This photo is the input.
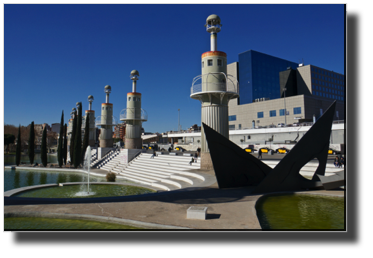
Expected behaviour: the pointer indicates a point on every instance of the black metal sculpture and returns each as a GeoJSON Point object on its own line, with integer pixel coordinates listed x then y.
{"type": "Point", "coordinates": [234, 167]}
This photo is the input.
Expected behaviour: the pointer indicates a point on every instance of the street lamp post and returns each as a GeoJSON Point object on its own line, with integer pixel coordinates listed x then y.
{"type": "Point", "coordinates": [285, 104]}
{"type": "Point", "coordinates": [179, 120]}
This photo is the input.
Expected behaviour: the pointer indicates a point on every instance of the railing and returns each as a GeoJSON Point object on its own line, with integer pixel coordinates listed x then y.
{"type": "Point", "coordinates": [201, 82]}
{"type": "Point", "coordinates": [129, 114]}
{"type": "Point", "coordinates": [184, 131]}
{"type": "Point", "coordinates": [101, 119]}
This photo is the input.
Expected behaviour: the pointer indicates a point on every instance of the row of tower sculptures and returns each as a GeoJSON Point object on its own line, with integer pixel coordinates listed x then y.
{"type": "Point", "coordinates": [133, 115]}
{"type": "Point", "coordinates": [214, 88]}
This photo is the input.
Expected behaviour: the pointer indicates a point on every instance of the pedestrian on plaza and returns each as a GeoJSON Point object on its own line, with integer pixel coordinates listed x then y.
{"type": "Point", "coordinates": [336, 161]}
{"type": "Point", "coordinates": [260, 154]}
{"type": "Point", "coordinates": [342, 161]}
{"type": "Point", "coordinates": [152, 156]}
{"type": "Point", "coordinates": [195, 157]}
{"type": "Point", "coordinates": [199, 152]}
{"type": "Point", "coordinates": [190, 163]}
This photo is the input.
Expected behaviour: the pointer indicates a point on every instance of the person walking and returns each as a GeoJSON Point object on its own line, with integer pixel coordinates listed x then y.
{"type": "Point", "coordinates": [192, 160]}
{"type": "Point", "coordinates": [195, 157]}
{"type": "Point", "coordinates": [152, 156]}
{"type": "Point", "coordinates": [342, 161]}
{"type": "Point", "coordinates": [199, 152]}
{"type": "Point", "coordinates": [336, 162]}
{"type": "Point", "coordinates": [260, 154]}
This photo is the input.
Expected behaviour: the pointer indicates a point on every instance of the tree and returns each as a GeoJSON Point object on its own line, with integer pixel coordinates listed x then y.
{"type": "Point", "coordinates": [65, 145]}
{"type": "Point", "coordinates": [44, 157]}
{"type": "Point", "coordinates": [86, 137]}
{"type": "Point", "coordinates": [9, 139]}
{"type": "Point", "coordinates": [78, 138]}
{"type": "Point", "coordinates": [31, 144]}
{"type": "Point", "coordinates": [60, 144]}
{"type": "Point", "coordinates": [72, 139]}
{"type": "Point", "coordinates": [19, 147]}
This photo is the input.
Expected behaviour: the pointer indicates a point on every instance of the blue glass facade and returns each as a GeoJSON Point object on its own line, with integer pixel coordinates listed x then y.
{"type": "Point", "coordinates": [259, 75]}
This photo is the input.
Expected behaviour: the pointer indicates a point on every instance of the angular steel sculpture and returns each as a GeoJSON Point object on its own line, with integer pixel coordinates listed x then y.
{"type": "Point", "coordinates": [236, 168]}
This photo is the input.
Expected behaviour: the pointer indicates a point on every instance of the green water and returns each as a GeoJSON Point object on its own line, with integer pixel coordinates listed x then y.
{"type": "Point", "coordinates": [23, 177]}
{"type": "Point", "coordinates": [292, 212]}
{"type": "Point", "coordinates": [59, 224]}
{"type": "Point", "coordinates": [80, 191]}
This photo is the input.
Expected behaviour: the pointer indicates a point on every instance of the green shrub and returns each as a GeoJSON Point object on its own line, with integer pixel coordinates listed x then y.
{"type": "Point", "coordinates": [110, 177]}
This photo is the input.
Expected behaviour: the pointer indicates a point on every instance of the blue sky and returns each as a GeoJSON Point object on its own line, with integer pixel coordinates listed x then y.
{"type": "Point", "coordinates": [57, 55]}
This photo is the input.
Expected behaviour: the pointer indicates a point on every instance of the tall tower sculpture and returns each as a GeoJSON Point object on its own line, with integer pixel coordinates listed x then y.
{"type": "Point", "coordinates": [213, 88]}
{"type": "Point", "coordinates": [92, 129]}
{"type": "Point", "coordinates": [106, 121]}
{"type": "Point", "coordinates": [70, 129]}
{"type": "Point", "coordinates": [133, 115]}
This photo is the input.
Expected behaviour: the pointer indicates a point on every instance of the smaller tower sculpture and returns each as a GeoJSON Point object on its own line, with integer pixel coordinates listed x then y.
{"type": "Point", "coordinates": [70, 128]}
{"type": "Point", "coordinates": [133, 115]}
{"type": "Point", "coordinates": [106, 121]}
{"type": "Point", "coordinates": [92, 129]}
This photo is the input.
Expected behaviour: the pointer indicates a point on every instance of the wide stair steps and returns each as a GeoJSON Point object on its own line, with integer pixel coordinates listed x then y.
{"type": "Point", "coordinates": [308, 169]}
{"type": "Point", "coordinates": [167, 172]}
{"type": "Point", "coordinates": [106, 159]}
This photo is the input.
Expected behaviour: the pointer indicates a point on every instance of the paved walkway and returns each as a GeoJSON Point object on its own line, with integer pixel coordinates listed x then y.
{"type": "Point", "coordinates": [228, 209]}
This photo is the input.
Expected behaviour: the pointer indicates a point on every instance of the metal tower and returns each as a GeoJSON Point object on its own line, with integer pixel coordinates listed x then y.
{"type": "Point", "coordinates": [92, 129]}
{"type": "Point", "coordinates": [133, 115]}
{"type": "Point", "coordinates": [106, 121]}
{"type": "Point", "coordinates": [213, 88]}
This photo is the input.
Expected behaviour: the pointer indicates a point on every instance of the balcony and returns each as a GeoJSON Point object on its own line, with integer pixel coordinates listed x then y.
{"type": "Point", "coordinates": [129, 114]}
{"type": "Point", "coordinates": [101, 120]}
{"type": "Point", "coordinates": [230, 85]}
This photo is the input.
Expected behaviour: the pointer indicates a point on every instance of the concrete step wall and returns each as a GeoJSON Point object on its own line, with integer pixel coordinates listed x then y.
{"type": "Point", "coordinates": [167, 172]}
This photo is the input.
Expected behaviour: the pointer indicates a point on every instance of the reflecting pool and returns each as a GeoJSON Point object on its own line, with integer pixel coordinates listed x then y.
{"type": "Point", "coordinates": [23, 177]}
{"type": "Point", "coordinates": [301, 212]}
{"type": "Point", "coordinates": [59, 224]}
{"type": "Point", "coordinates": [80, 191]}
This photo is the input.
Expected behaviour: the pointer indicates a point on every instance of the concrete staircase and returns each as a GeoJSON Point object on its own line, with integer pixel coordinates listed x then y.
{"type": "Point", "coordinates": [308, 169]}
{"type": "Point", "coordinates": [105, 160]}
{"type": "Point", "coordinates": [167, 172]}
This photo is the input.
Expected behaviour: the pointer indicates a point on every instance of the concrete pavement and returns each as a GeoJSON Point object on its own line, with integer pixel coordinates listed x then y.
{"type": "Point", "coordinates": [228, 209]}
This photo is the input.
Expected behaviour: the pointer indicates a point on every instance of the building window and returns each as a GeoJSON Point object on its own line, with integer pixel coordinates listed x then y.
{"type": "Point", "coordinates": [129, 99]}
{"type": "Point", "coordinates": [203, 64]}
{"type": "Point", "coordinates": [297, 110]}
{"type": "Point", "coordinates": [232, 118]}
{"type": "Point", "coordinates": [282, 112]}
{"type": "Point", "coordinates": [209, 62]}
{"type": "Point", "coordinates": [232, 127]}
{"type": "Point", "coordinates": [239, 127]}
{"type": "Point", "coordinates": [272, 113]}
{"type": "Point", "coordinates": [260, 115]}
{"type": "Point", "coordinates": [220, 63]}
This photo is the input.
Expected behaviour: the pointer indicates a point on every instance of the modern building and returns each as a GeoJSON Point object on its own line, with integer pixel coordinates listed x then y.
{"type": "Point", "coordinates": [258, 76]}
{"type": "Point", "coordinates": [299, 94]}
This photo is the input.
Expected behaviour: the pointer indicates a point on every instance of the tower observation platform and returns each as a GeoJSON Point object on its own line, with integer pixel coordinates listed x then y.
{"type": "Point", "coordinates": [214, 88]}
